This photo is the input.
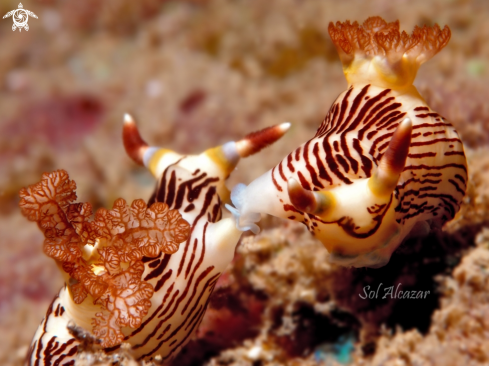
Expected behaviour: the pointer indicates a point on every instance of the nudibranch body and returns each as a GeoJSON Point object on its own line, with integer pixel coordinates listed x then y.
{"type": "Point", "coordinates": [128, 279]}
{"type": "Point", "coordinates": [381, 163]}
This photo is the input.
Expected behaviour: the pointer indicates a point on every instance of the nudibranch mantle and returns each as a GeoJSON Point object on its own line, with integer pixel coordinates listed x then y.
{"type": "Point", "coordinates": [139, 274]}
{"type": "Point", "coordinates": [381, 164]}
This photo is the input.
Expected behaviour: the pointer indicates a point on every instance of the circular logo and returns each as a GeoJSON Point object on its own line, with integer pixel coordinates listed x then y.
{"type": "Point", "coordinates": [20, 17]}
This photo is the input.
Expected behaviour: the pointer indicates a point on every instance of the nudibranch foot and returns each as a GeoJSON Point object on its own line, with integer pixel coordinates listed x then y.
{"type": "Point", "coordinates": [421, 230]}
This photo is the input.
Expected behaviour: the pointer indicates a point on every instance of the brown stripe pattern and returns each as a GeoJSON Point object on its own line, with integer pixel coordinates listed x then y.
{"type": "Point", "coordinates": [352, 139]}
{"type": "Point", "coordinates": [185, 279]}
{"type": "Point", "coordinates": [50, 348]}
{"type": "Point", "coordinates": [182, 281]}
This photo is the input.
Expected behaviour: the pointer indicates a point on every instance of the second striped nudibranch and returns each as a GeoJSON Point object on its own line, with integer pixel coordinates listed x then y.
{"type": "Point", "coordinates": [381, 164]}
{"type": "Point", "coordinates": [139, 274]}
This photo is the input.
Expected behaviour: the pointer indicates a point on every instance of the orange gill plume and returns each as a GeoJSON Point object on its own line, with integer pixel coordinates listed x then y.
{"type": "Point", "coordinates": [378, 50]}
{"type": "Point", "coordinates": [138, 274]}
{"type": "Point", "coordinates": [381, 166]}
{"type": "Point", "coordinates": [102, 257]}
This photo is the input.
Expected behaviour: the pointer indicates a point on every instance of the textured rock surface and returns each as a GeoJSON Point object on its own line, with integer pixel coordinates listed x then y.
{"type": "Point", "coordinates": [198, 73]}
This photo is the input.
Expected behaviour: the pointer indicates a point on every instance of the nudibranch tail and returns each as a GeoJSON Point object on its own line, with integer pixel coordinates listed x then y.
{"type": "Point", "coordinates": [378, 52]}
{"type": "Point", "coordinates": [384, 180]}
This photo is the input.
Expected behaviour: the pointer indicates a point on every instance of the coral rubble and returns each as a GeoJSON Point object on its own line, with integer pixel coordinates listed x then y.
{"type": "Point", "coordinates": [217, 69]}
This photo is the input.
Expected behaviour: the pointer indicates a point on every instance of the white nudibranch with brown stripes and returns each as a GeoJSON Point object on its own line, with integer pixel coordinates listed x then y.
{"type": "Point", "coordinates": [381, 165]}
{"type": "Point", "coordinates": [139, 274]}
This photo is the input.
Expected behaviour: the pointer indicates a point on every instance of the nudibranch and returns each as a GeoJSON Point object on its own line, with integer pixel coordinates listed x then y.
{"type": "Point", "coordinates": [139, 274]}
{"type": "Point", "coordinates": [382, 163]}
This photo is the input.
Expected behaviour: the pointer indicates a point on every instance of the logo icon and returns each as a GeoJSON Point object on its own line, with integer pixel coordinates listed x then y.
{"type": "Point", "coordinates": [20, 17]}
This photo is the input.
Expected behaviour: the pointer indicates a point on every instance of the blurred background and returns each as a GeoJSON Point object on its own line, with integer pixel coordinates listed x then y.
{"type": "Point", "coordinates": [194, 74]}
